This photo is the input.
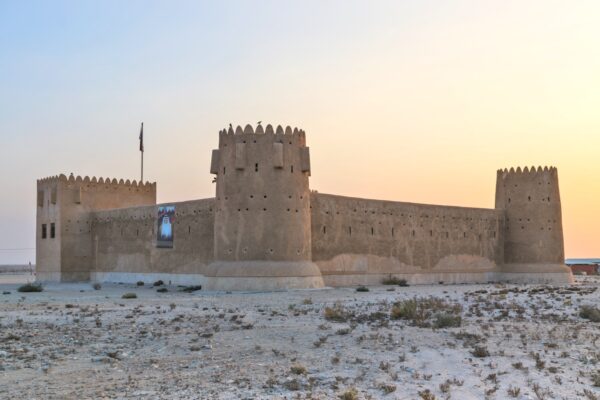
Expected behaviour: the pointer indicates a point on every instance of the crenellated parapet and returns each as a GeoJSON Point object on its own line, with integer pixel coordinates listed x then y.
{"type": "Point", "coordinates": [71, 179]}
{"type": "Point", "coordinates": [527, 170]}
{"type": "Point", "coordinates": [268, 130]}
{"type": "Point", "coordinates": [249, 149]}
{"type": "Point", "coordinates": [260, 135]}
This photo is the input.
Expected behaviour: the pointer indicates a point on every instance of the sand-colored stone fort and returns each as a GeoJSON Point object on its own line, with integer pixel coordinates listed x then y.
{"type": "Point", "coordinates": [266, 230]}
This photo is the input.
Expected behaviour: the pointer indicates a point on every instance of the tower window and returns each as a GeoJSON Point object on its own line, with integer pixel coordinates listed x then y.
{"type": "Point", "coordinates": [324, 230]}
{"type": "Point", "coordinates": [44, 231]}
{"type": "Point", "coordinates": [224, 169]}
{"type": "Point", "coordinates": [292, 169]}
{"type": "Point", "coordinates": [350, 230]}
{"type": "Point", "coordinates": [256, 167]}
{"type": "Point", "coordinates": [392, 232]}
{"type": "Point", "coordinates": [52, 230]}
{"type": "Point", "coordinates": [372, 231]}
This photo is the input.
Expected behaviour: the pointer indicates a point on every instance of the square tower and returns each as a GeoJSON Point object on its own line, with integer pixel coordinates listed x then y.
{"type": "Point", "coordinates": [64, 245]}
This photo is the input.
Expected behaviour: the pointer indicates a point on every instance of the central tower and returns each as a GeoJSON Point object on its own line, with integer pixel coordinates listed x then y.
{"type": "Point", "coordinates": [262, 210]}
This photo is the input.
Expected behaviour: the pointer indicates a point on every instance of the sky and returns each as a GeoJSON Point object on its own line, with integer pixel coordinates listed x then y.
{"type": "Point", "coordinates": [418, 101]}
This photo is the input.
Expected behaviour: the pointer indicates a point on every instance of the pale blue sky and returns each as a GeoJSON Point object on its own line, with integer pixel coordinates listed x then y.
{"type": "Point", "coordinates": [417, 101]}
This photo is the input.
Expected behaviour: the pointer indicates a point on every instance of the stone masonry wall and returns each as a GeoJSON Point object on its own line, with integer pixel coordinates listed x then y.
{"type": "Point", "coordinates": [352, 235]}
{"type": "Point", "coordinates": [124, 240]}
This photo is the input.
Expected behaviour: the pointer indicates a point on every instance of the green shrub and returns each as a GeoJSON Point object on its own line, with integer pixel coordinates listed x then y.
{"type": "Point", "coordinates": [30, 287]}
{"type": "Point", "coordinates": [190, 289]}
{"type": "Point", "coordinates": [590, 313]}
{"type": "Point", "coordinates": [159, 283]}
{"type": "Point", "coordinates": [140, 283]}
{"type": "Point", "coordinates": [362, 289]}
{"type": "Point", "coordinates": [392, 280]}
{"type": "Point", "coordinates": [406, 309]}
{"type": "Point", "coordinates": [445, 320]}
{"type": "Point", "coordinates": [129, 296]}
{"type": "Point", "coordinates": [162, 290]}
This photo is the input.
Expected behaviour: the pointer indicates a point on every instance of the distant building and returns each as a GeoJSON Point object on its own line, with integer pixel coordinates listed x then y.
{"type": "Point", "coordinates": [587, 265]}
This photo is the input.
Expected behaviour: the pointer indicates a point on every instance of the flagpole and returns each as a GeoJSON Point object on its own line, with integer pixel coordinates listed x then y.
{"type": "Point", "coordinates": [142, 151]}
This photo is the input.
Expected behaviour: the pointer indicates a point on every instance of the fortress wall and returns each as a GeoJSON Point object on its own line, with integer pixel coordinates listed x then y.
{"type": "Point", "coordinates": [124, 243]}
{"type": "Point", "coordinates": [361, 241]}
{"type": "Point", "coordinates": [79, 197]}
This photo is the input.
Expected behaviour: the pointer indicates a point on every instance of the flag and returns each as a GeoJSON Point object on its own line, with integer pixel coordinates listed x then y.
{"type": "Point", "coordinates": [142, 138]}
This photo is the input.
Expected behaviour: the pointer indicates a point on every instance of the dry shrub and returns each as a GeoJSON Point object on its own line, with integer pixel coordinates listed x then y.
{"type": "Point", "coordinates": [480, 352]}
{"type": "Point", "coordinates": [337, 313]}
{"type": "Point", "coordinates": [349, 394]}
{"type": "Point", "coordinates": [298, 369]}
{"type": "Point", "coordinates": [427, 311]}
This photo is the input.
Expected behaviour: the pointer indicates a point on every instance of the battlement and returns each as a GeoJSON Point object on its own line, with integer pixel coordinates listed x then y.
{"type": "Point", "coordinates": [96, 181]}
{"type": "Point", "coordinates": [268, 130]}
{"type": "Point", "coordinates": [526, 170]}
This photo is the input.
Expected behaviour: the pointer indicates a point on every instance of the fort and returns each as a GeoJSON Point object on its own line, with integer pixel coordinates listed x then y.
{"type": "Point", "coordinates": [266, 230]}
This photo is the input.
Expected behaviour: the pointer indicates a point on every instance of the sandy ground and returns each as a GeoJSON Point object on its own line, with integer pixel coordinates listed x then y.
{"type": "Point", "coordinates": [523, 342]}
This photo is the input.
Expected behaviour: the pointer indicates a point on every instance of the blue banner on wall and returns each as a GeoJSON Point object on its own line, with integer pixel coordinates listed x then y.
{"type": "Point", "coordinates": [166, 227]}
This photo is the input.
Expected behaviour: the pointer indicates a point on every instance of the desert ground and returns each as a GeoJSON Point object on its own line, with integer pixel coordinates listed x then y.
{"type": "Point", "coordinates": [486, 341]}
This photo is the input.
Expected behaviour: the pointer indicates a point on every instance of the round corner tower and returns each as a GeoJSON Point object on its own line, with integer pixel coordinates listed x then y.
{"type": "Point", "coordinates": [262, 211]}
{"type": "Point", "coordinates": [533, 235]}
